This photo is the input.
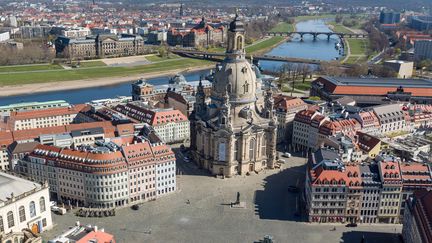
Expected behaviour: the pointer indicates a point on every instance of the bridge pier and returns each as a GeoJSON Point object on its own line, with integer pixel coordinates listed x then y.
{"type": "Point", "coordinates": [328, 37]}
{"type": "Point", "coordinates": [315, 36]}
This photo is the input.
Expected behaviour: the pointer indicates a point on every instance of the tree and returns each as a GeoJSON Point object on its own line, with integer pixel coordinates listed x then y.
{"type": "Point", "coordinates": [382, 71]}
{"type": "Point", "coordinates": [331, 68]}
{"type": "Point", "coordinates": [163, 51]}
{"type": "Point", "coordinates": [357, 70]}
{"type": "Point", "coordinates": [338, 18]}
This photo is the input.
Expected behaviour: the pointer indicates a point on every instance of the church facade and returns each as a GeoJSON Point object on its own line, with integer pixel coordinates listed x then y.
{"type": "Point", "coordinates": [235, 133]}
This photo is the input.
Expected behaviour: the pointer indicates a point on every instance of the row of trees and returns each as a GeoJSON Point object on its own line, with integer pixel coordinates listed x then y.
{"type": "Point", "coordinates": [30, 54]}
{"type": "Point", "coordinates": [356, 70]}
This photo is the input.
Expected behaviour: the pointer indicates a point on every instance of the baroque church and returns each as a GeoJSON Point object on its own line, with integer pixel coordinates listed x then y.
{"type": "Point", "coordinates": [235, 133]}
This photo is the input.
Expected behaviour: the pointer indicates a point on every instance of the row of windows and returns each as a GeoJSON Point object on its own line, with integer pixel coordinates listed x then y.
{"type": "Point", "coordinates": [22, 214]}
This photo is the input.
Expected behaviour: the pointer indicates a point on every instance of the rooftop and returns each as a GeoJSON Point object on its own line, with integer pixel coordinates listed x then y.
{"type": "Point", "coordinates": [10, 184]}
{"type": "Point", "coordinates": [380, 82]}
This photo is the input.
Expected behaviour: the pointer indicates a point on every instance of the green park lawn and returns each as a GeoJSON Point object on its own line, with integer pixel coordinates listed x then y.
{"type": "Point", "coordinates": [262, 45]}
{"type": "Point", "coordinates": [302, 86]}
{"type": "Point", "coordinates": [283, 27]}
{"type": "Point", "coordinates": [87, 64]}
{"type": "Point", "coordinates": [157, 58]}
{"type": "Point", "coordinates": [310, 17]}
{"type": "Point", "coordinates": [340, 28]}
{"type": "Point", "coordinates": [25, 68]}
{"type": "Point", "coordinates": [97, 72]}
{"type": "Point", "coordinates": [358, 46]}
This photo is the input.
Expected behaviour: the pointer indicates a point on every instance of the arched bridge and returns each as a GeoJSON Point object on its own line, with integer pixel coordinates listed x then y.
{"type": "Point", "coordinates": [316, 34]}
{"type": "Point", "coordinates": [215, 56]}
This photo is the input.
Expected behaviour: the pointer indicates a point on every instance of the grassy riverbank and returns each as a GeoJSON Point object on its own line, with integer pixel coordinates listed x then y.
{"type": "Point", "coordinates": [283, 27]}
{"type": "Point", "coordinates": [358, 50]}
{"type": "Point", "coordinates": [20, 78]}
{"type": "Point", "coordinates": [264, 45]}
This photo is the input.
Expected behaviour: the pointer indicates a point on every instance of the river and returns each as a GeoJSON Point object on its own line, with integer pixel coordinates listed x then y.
{"type": "Point", "coordinates": [308, 48]}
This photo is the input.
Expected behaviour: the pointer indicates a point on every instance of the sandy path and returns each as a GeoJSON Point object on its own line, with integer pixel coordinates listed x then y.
{"type": "Point", "coordinates": [86, 83]}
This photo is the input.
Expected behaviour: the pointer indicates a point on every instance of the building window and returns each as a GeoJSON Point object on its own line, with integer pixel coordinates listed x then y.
{"type": "Point", "coordinates": [42, 204]}
{"type": "Point", "coordinates": [252, 150]}
{"type": "Point", "coordinates": [263, 145]}
{"type": "Point", "coordinates": [1, 224]}
{"type": "Point", "coordinates": [236, 148]}
{"type": "Point", "coordinates": [22, 214]}
{"type": "Point", "coordinates": [32, 209]}
{"type": "Point", "coordinates": [10, 219]}
{"type": "Point", "coordinates": [44, 222]}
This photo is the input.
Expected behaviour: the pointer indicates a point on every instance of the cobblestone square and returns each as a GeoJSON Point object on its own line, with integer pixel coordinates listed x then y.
{"type": "Point", "coordinates": [270, 210]}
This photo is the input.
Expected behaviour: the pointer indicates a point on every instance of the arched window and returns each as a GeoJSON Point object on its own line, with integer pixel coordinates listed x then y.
{"type": "Point", "coordinates": [252, 150]}
{"type": "Point", "coordinates": [236, 149]}
{"type": "Point", "coordinates": [1, 224]}
{"type": "Point", "coordinates": [239, 42]}
{"type": "Point", "coordinates": [22, 216]}
{"type": "Point", "coordinates": [263, 145]}
{"type": "Point", "coordinates": [42, 204]}
{"type": "Point", "coordinates": [10, 219]}
{"type": "Point", "coordinates": [32, 208]}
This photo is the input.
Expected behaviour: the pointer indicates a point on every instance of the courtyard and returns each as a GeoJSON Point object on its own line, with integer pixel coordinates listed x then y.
{"type": "Point", "coordinates": [200, 211]}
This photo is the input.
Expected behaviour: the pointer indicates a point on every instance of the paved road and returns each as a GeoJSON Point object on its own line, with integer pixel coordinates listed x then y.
{"type": "Point", "coordinates": [209, 218]}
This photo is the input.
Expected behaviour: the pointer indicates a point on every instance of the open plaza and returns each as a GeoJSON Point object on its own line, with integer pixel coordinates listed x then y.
{"type": "Point", "coordinates": [208, 217]}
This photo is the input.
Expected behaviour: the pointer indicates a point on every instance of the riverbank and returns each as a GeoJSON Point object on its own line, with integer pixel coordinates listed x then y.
{"type": "Point", "coordinates": [12, 90]}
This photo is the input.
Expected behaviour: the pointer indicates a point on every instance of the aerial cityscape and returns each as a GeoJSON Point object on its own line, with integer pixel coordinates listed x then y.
{"type": "Point", "coordinates": [216, 121]}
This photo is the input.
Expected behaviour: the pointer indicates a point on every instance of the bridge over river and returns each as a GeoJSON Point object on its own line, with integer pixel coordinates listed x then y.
{"type": "Point", "coordinates": [315, 34]}
{"type": "Point", "coordinates": [217, 56]}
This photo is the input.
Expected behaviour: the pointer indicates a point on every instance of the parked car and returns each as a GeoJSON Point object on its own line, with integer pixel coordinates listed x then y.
{"type": "Point", "coordinates": [287, 155]}
{"type": "Point", "coordinates": [351, 225]}
{"type": "Point", "coordinates": [135, 207]}
{"type": "Point", "coordinates": [293, 189]}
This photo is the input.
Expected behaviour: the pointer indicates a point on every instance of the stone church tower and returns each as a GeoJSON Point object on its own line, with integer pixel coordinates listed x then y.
{"type": "Point", "coordinates": [236, 132]}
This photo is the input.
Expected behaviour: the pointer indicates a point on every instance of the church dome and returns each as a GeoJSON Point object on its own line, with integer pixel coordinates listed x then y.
{"type": "Point", "coordinates": [238, 78]}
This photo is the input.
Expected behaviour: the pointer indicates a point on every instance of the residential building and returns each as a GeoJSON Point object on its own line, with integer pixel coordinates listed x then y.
{"type": "Point", "coordinates": [83, 137]}
{"type": "Point", "coordinates": [390, 199]}
{"type": "Point", "coordinates": [33, 106]}
{"type": "Point", "coordinates": [389, 17]}
{"type": "Point", "coordinates": [421, 23]}
{"type": "Point", "coordinates": [23, 205]}
{"type": "Point", "coordinates": [417, 219]}
{"type": "Point", "coordinates": [370, 145]}
{"type": "Point", "coordinates": [423, 50]}
{"type": "Point", "coordinates": [286, 108]}
{"type": "Point", "coordinates": [372, 188]}
{"type": "Point", "coordinates": [415, 176]}
{"type": "Point", "coordinates": [59, 116]}
{"type": "Point", "coordinates": [236, 132]}
{"type": "Point", "coordinates": [18, 150]}
{"type": "Point", "coordinates": [391, 117]}
{"type": "Point", "coordinates": [84, 234]}
{"type": "Point", "coordinates": [170, 125]}
{"type": "Point", "coordinates": [109, 174]}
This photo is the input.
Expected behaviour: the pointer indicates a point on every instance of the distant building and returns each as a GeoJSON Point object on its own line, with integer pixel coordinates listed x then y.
{"type": "Point", "coordinates": [389, 17]}
{"type": "Point", "coordinates": [156, 37]}
{"type": "Point", "coordinates": [23, 205]}
{"type": "Point", "coordinates": [99, 46]}
{"type": "Point", "coordinates": [417, 219]}
{"type": "Point", "coordinates": [202, 34]}
{"type": "Point", "coordinates": [373, 91]}
{"type": "Point", "coordinates": [421, 23]}
{"type": "Point", "coordinates": [33, 106]}
{"type": "Point", "coordinates": [404, 69]}
{"type": "Point", "coordinates": [37, 32]}
{"type": "Point", "coordinates": [423, 50]}
{"type": "Point", "coordinates": [84, 234]}
{"type": "Point", "coordinates": [4, 36]}
{"type": "Point", "coordinates": [391, 118]}
{"type": "Point", "coordinates": [76, 32]}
